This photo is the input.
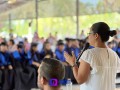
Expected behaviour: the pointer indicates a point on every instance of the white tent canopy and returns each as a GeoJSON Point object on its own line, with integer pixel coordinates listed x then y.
{"type": "Point", "coordinates": [24, 9]}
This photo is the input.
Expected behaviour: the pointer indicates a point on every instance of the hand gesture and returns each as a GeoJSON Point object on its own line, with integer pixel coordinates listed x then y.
{"type": "Point", "coordinates": [70, 59]}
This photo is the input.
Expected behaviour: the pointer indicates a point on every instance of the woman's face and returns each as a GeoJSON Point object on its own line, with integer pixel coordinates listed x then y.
{"type": "Point", "coordinates": [91, 38]}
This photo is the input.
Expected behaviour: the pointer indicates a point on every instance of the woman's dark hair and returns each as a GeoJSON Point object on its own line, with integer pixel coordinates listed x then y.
{"type": "Point", "coordinates": [103, 30]}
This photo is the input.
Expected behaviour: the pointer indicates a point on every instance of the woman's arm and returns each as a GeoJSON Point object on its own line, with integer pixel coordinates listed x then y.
{"type": "Point", "coordinates": [82, 72]}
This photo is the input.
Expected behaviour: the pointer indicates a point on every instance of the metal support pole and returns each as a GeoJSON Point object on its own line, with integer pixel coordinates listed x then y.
{"type": "Point", "coordinates": [77, 18]}
{"type": "Point", "coordinates": [10, 22]}
{"type": "Point", "coordinates": [36, 11]}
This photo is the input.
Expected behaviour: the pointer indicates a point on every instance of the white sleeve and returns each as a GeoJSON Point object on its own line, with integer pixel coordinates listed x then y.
{"type": "Point", "coordinates": [87, 57]}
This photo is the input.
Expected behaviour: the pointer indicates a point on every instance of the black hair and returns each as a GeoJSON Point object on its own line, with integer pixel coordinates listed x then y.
{"type": "Point", "coordinates": [25, 39]}
{"type": "Point", "coordinates": [67, 39]}
{"type": "Point", "coordinates": [12, 41]}
{"type": "Point", "coordinates": [60, 42]}
{"type": "Point", "coordinates": [103, 30]}
{"type": "Point", "coordinates": [33, 45]}
{"type": "Point", "coordinates": [21, 42]}
{"type": "Point", "coordinates": [52, 68]}
{"type": "Point", "coordinates": [3, 44]}
{"type": "Point", "coordinates": [19, 46]}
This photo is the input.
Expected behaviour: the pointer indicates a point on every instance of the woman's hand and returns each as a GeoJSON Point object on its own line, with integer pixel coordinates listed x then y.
{"type": "Point", "coordinates": [70, 59]}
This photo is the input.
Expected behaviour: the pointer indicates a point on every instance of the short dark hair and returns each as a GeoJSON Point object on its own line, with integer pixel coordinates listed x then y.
{"type": "Point", "coordinates": [60, 42]}
{"type": "Point", "coordinates": [3, 44]}
{"type": "Point", "coordinates": [12, 41]}
{"type": "Point", "coordinates": [103, 30]}
{"type": "Point", "coordinates": [19, 46]}
{"type": "Point", "coordinates": [52, 68]}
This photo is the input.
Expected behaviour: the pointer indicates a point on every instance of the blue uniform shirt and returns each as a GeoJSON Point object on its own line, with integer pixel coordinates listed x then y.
{"type": "Point", "coordinates": [4, 59]}
{"type": "Point", "coordinates": [18, 56]}
{"type": "Point", "coordinates": [60, 55]}
{"type": "Point", "coordinates": [76, 51]}
{"type": "Point", "coordinates": [33, 57]}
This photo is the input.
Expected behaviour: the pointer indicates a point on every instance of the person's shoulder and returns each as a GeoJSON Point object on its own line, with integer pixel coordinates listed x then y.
{"type": "Point", "coordinates": [92, 51]}
{"type": "Point", "coordinates": [88, 51]}
{"type": "Point", "coordinates": [112, 51]}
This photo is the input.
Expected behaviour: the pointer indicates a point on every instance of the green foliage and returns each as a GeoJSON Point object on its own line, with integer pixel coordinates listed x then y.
{"type": "Point", "coordinates": [65, 26]}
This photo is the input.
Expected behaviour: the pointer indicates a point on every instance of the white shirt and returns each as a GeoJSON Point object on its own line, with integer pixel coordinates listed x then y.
{"type": "Point", "coordinates": [40, 46]}
{"type": "Point", "coordinates": [104, 63]}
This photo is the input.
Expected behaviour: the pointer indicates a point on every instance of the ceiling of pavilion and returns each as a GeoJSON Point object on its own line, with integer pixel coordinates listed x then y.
{"type": "Point", "coordinates": [25, 9]}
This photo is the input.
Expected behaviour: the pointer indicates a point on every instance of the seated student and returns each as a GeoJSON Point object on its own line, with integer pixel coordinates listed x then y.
{"type": "Point", "coordinates": [19, 57]}
{"type": "Point", "coordinates": [6, 67]}
{"type": "Point", "coordinates": [26, 45]}
{"type": "Point", "coordinates": [34, 56]}
{"type": "Point", "coordinates": [75, 47]}
{"type": "Point", "coordinates": [11, 46]}
{"type": "Point", "coordinates": [4, 57]}
{"type": "Point", "coordinates": [48, 70]}
{"type": "Point", "coordinates": [25, 75]}
{"type": "Point", "coordinates": [68, 49]}
{"type": "Point", "coordinates": [59, 52]}
{"type": "Point", "coordinates": [68, 46]}
{"type": "Point", "coordinates": [46, 52]}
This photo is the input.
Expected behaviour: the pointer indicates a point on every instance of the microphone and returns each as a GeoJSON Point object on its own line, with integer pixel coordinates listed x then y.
{"type": "Point", "coordinates": [86, 46]}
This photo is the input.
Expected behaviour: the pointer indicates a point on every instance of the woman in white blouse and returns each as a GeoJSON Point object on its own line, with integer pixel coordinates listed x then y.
{"type": "Point", "coordinates": [103, 61]}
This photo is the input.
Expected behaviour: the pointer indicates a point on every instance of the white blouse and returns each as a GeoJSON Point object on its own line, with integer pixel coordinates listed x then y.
{"type": "Point", "coordinates": [104, 63]}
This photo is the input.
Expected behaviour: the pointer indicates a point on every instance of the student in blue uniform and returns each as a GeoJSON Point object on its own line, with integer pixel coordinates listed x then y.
{"type": "Point", "coordinates": [75, 47]}
{"type": "Point", "coordinates": [6, 68]}
{"type": "Point", "coordinates": [34, 56]}
{"type": "Point", "coordinates": [68, 46]}
{"type": "Point", "coordinates": [19, 56]}
{"type": "Point", "coordinates": [59, 52]}
{"type": "Point", "coordinates": [46, 51]}
{"type": "Point", "coordinates": [68, 49]}
{"type": "Point", "coordinates": [4, 57]}
{"type": "Point", "coordinates": [25, 78]}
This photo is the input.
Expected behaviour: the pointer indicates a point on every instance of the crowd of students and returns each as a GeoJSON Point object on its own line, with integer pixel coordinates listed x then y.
{"type": "Point", "coordinates": [19, 61]}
